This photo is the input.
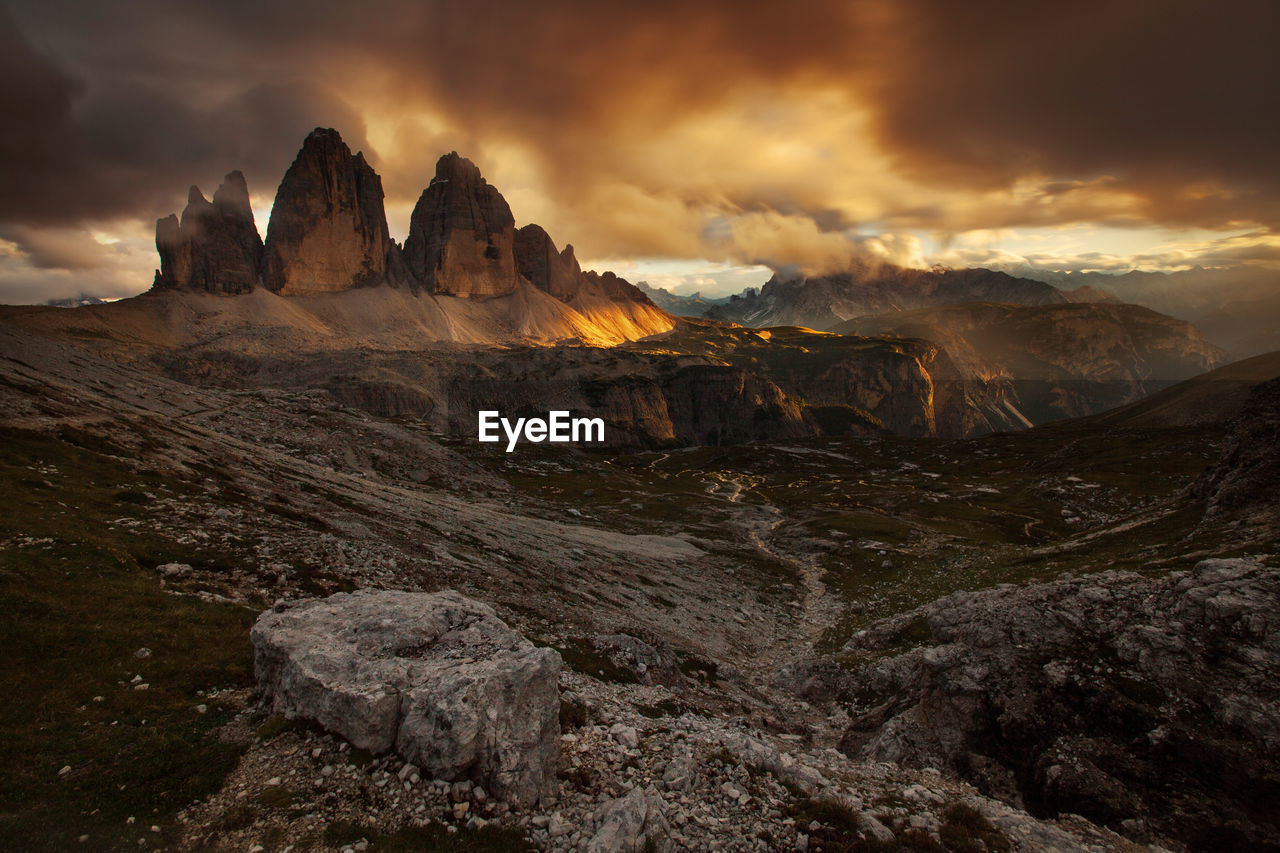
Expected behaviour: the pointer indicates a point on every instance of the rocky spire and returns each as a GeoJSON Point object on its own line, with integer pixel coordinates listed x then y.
{"type": "Point", "coordinates": [461, 234]}
{"type": "Point", "coordinates": [328, 229]}
{"type": "Point", "coordinates": [537, 260]}
{"type": "Point", "coordinates": [215, 247]}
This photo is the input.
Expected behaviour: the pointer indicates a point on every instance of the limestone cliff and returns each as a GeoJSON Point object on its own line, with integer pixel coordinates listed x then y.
{"type": "Point", "coordinates": [328, 229]}
{"type": "Point", "coordinates": [215, 247]}
{"type": "Point", "coordinates": [1060, 360]}
{"type": "Point", "coordinates": [538, 261]}
{"type": "Point", "coordinates": [461, 234]}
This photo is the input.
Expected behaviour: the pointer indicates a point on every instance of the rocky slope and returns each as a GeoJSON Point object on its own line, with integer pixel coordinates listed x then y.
{"type": "Point", "coordinates": [1143, 704]}
{"type": "Point", "coordinates": [821, 302]}
{"type": "Point", "coordinates": [215, 247]}
{"type": "Point", "coordinates": [673, 585]}
{"type": "Point", "coordinates": [1213, 397]}
{"type": "Point", "coordinates": [1245, 477]}
{"type": "Point", "coordinates": [1062, 360]}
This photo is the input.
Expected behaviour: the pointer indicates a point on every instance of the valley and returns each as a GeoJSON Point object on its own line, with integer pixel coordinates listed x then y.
{"type": "Point", "coordinates": [741, 564]}
{"type": "Point", "coordinates": [923, 579]}
{"type": "Point", "coordinates": [562, 427]}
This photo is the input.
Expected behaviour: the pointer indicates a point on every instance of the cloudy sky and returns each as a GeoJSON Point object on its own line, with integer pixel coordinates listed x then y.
{"type": "Point", "coordinates": [689, 143]}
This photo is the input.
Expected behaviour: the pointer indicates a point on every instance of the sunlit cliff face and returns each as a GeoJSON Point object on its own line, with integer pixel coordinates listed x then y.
{"type": "Point", "coordinates": [720, 135]}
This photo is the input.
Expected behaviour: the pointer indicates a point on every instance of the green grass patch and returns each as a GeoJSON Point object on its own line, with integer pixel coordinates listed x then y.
{"type": "Point", "coordinates": [80, 605]}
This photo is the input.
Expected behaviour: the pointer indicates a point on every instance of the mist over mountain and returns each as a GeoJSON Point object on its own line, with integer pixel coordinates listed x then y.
{"type": "Point", "coordinates": [694, 305]}
{"type": "Point", "coordinates": [1236, 308]}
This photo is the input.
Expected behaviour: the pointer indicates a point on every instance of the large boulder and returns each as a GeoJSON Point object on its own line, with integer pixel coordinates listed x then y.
{"type": "Point", "coordinates": [437, 677]}
{"type": "Point", "coordinates": [215, 247]}
{"type": "Point", "coordinates": [461, 235]}
{"type": "Point", "coordinates": [328, 228]}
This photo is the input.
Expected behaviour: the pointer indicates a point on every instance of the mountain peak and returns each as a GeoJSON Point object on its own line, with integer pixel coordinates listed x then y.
{"type": "Point", "coordinates": [328, 229]}
{"type": "Point", "coordinates": [215, 247]}
{"type": "Point", "coordinates": [454, 167]}
{"type": "Point", "coordinates": [546, 268]}
{"type": "Point", "coordinates": [233, 194]}
{"type": "Point", "coordinates": [325, 138]}
{"type": "Point", "coordinates": [461, 234]}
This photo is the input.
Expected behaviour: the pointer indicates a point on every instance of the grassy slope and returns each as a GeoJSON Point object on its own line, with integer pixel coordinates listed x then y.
{"type": "Point", "coordinates": [81, 598]}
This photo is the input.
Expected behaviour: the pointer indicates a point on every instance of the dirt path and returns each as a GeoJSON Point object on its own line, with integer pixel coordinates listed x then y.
{"type": "Point", "coordinates": [800, 629]}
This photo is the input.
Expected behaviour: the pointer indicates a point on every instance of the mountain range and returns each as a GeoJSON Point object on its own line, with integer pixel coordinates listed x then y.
{"type": "Point", "coordinates": [1236, 310]}
{"type": "Point", "coordinates": [776, 612]}
{"type": "Point", "coordinates": [693, 305]}
{"type": "Point", "coordinates": [464, 273]}
{"type": "Point", "coordinates": [472, 313]}
{"type": "Point", "coordinates": [821, 302]}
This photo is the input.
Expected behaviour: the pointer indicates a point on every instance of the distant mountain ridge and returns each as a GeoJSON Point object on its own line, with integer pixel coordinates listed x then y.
{"type": "Point", "coordinates": [1237, 308]}
{"type": "Point", "coordinates": [821, 302]}
{"type": "Point", "coordinates": [695, 305]}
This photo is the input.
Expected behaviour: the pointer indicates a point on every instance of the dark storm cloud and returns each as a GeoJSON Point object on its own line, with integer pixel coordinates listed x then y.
{"type": "Point", "coordinates": [1176, 99]}
{"type": "Point", "coordinates": [117, 107]}
{"type": "Point", "coordinates": [82, 143]}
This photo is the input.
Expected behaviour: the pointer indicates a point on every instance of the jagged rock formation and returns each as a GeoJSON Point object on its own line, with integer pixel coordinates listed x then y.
{"type": "Point", "coordinates": [820, 302]}
{"type": "Point", "coordinates": [328, 229]}
{"type": "Point", "coordinates": [436, 676]}
{"type": "Point", "coordinates": [1147, 705]}
{"type": "Point", "coordinates": [557, 273]}
{"type": "Point", "coordinates": [216, 247]}
{"type": "Point", "coordinates": [328, 235]}
{"type": "Point", "coordinates": [1247, 474]}
{"type": "Point", "coordinates": [461, 234]}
